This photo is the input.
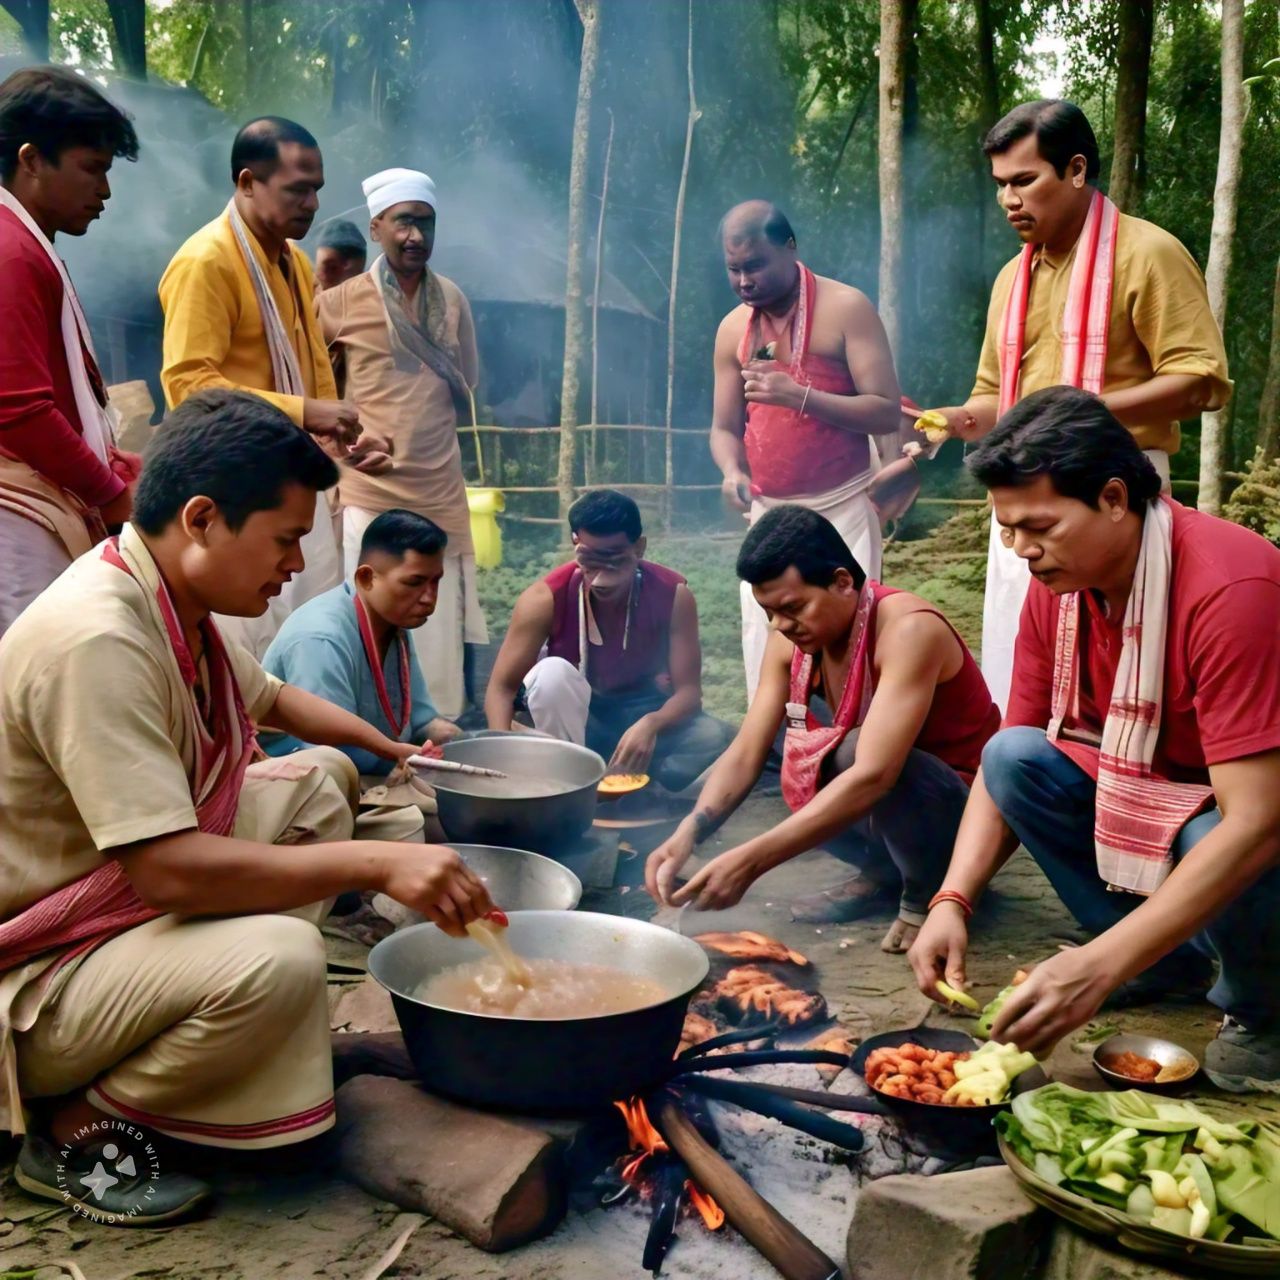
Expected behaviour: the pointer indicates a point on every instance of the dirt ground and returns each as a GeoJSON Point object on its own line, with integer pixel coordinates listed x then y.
{"type": "Point", "coordinates": [311, 1225]}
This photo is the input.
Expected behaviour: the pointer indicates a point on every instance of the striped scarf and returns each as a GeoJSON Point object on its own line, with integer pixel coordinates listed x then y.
{"type": "Point", "coordinates": [90, 910]}
{"type": "Point", "coordinates": [1138, 814]}
{"type": "Point", "coordinates": [1086, 319]}
{"type": "Point", "coordinates": [286, 372]}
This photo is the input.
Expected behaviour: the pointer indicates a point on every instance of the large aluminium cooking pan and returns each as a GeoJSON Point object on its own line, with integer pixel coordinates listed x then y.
{"type": "Point", "coordinates": [543, 1065]}
{"type": "Point", "coordinates": [488, 811]}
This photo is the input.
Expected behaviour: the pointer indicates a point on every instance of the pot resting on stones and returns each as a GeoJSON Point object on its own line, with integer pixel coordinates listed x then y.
{"type": "Point", "coordinates": [547, 800]}
{"type": "Point", "coordinates": [543, 1065]}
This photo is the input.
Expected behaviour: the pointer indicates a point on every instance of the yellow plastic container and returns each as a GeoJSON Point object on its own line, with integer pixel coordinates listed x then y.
{"type": "Point", "coordinates": [484, 505]}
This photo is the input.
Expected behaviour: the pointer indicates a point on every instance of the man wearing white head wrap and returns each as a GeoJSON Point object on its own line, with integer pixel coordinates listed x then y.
{"type": "Point", "coordinates": [403, 339]}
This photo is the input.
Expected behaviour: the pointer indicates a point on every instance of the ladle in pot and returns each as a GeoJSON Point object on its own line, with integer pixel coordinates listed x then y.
{"type": "Point", "coordinates": [490, 931]}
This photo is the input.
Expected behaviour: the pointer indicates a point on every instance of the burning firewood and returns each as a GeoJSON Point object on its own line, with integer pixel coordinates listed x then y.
{"type": "Point", "coordinates": [751, 994]}
{"type": "Point", "coordinates": [696, 1030]}
{"type": "Point", "coordinates": [747, 945]}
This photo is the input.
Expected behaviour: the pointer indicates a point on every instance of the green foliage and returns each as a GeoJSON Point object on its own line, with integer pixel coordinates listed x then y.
{"type": "Point", "coordinates": [1255, 503]}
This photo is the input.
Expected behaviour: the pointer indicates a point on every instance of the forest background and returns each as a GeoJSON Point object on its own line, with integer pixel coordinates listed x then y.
{"type": "Point", "coordinates": [789, 106]}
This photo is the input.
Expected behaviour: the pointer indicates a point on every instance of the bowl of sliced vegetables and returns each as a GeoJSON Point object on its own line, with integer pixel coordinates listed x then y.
{"type": "Point", "coordinates": [1161, 1177]}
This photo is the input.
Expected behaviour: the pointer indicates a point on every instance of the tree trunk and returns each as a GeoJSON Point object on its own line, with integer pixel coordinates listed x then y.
{"type": "Point", "coordinates": [589, 457]}
{"type": "Point", "coordinates": [1128, 163]}
{"type": "Point", "coordinates": [1269, 409]}
{"type": "Point", "coordinates": [988, 76]}
{"type": "Point", "coordinates": [33, 17]}
{"type": "Point", "coordinates": [589, 12]}
{"type": "Point", "coordinates": [694, 114]}
{"type": "Point", "coordinates": [895, 35]}
{"type": "Point", "coordinates": [1213, 435]}
{"type": "Point", "coordinates": [129, 19]}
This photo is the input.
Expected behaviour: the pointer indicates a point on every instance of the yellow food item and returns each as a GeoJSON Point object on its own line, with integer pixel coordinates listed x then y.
{"type": "Point", "coordinates": [934, 426]}
{"type": "Point", "coordinates": [962, 998]}
{"type": "Point", "coordinates": [618, 784]}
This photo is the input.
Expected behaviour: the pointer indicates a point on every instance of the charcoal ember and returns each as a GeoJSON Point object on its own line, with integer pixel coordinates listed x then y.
{"type": "Point", "coordinates": [666, 1182]}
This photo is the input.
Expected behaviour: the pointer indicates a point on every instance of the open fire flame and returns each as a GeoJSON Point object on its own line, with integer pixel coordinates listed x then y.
{"type": "Point", "coordinates": [648, 1142]}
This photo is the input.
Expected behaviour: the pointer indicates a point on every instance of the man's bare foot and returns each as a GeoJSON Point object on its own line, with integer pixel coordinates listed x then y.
{"type": "Point", "coordinates": [899, 938]}
{"type": "Point", "coordinates": [851, 899]}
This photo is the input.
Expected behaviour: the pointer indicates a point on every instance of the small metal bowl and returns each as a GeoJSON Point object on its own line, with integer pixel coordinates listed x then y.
{"type": "Point", "coordinates": [1165, 1052]}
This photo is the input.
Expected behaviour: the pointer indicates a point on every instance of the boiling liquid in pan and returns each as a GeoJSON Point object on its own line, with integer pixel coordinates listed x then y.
{"type": "Point", "coordinates": [516, 786]}
{"type": "Point", "coordinates": [557, 989]}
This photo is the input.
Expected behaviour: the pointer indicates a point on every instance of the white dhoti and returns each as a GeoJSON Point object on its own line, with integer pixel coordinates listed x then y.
{"type": "Point", "coordinates": [849, 509]}
{"type": "Point", "coordinates": [322, 552]}
{"type": "Point", "coordinates": [559, 699]}
{"type": "Point", "coordinates": [1007, 582]}
{"type": "Point", "coordinates": [457, 621]}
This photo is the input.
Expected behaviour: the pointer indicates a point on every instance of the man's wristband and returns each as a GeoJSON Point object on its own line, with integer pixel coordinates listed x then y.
{"type": "Point", "coordinates": [952, 895]}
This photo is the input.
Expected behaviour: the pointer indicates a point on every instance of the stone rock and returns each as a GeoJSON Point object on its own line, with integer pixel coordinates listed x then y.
{"type": "Point", "coordinates": [975, 1225]}
{"type": "Point", "coordinates": [134, 403]}
{"type": "Point", "coordinates": [1075, 1256]}
{"type": "Point", "coordinates": [496, 1182]}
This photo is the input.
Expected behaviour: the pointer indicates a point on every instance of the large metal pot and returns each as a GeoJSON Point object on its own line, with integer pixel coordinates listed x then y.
{"type": "Point", "coordinates": [543, 1065]}
{"type": "Point", "coordinates": [518, 880]}
{"type": "Point", "coordinates": [490, 811]}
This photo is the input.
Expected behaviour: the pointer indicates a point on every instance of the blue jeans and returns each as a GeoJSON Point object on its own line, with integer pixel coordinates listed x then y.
{"type": "Point", "coordinates": [1049, 800]}
{"type": "Point", "coordinates": [912, 828]}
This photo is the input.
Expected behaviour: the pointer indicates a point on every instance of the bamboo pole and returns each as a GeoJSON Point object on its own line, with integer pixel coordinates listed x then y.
{"type": "Point", "coordinates": [694, 116]}
{"type": "Point", "coordinates": [589, 12]}
{"type": "Point", "coordinates": [1214, 425]}
{"type": "Point", "coordinates": [589, 458]}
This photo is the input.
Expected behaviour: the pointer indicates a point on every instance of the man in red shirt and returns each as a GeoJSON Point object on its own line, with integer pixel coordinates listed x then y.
{"type": "Point", "coordinates": [882, 779]}
{"type": "Point", "coordinates": [1141, 748]}
{"type": "Point", "coordinates": [61, 479]}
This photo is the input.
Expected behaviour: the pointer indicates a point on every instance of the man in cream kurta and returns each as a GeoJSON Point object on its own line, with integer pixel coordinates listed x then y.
{"type": "Point", "coordinates": [238, 302]}
{"type": "Point", "coordinates": [409, 374]}
{"type": "Point", "coordinates": [159, 959]}
{"type": "Point", "coordinates": [1162, 356]}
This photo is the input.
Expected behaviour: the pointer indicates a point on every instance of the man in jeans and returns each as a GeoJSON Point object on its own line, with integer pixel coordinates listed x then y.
{"type": "Point", "coordinates": [1140, 758]}
{"type": "Point", "coordinates": [882, 779]}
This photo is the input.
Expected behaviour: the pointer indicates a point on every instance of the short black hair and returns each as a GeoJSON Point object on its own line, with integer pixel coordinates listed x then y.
{"type": "Point", "coordinates": [53, 109]}
{"type": "Point", "coordinates": [233, 447]}
{"type": "Point", "coordinates": [1070, 436]}
{"type": "Point", "coordinates": [343, 236]}
{"type": "Point", "coordinates": [398, 531]}
{"type": "Point", "coordinates": [606, 511]}
{"type": "Point", "coordinates": [793, 535]}
{"type": "Point", "coordinates": [767, 221]}
{"type": "Point", "coordinates": [257, 145]}
{"type": "Point", "coordinates": [1062, 130]}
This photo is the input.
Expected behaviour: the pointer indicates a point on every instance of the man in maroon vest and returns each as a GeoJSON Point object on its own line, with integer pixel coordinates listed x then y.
{"type": "Point", "coordinates": [881, 775]}
{"type": "Point", "coordinates": [606, 647]}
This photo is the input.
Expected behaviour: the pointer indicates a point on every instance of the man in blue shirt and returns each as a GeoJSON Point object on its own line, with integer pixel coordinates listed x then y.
{"type": "Point", "coordinates": [351, 647]}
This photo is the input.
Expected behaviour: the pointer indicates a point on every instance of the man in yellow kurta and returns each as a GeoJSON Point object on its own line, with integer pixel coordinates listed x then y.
{"type": "Point", "coordinates": [403, 337]}
{"type": "Point", "coordinates": [238, 303]}
{"type": "Point", "coordinates": [1096, 299]}
{"type": "Point", "coordinates": [160, 965]}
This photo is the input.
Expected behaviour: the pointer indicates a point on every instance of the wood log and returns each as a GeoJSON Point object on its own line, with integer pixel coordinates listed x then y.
{"type": "Point", "coordinates": [794, 1255]}
{"type": "Point", "coordinates": [497, 1183]}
